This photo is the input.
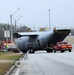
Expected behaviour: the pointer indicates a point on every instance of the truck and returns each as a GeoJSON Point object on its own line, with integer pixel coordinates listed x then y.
{"type": "Point", "coordinates": [62, 46]}
{"type": "Point", "coordinates": [8, 47]}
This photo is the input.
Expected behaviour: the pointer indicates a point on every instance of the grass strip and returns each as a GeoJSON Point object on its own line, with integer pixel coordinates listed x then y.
{"type": "Point", "coordinates": [7, 60]}
{"type": "Point", "coordinates": [10, 56]}
{"type": "Point", "coordinates": [5, 66]}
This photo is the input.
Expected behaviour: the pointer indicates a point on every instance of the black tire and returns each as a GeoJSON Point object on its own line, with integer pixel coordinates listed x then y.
{"type": "Point", "coordinates": [54, 51]}
{"type": "Point", "coordinates": [49, 50]}
{"type": "Point", "coordinates": [31, 51]}
{"type": "Point", "coordinates": [62, 51]}
{"type": "Point", "coordinates": [24, 51]}
{"type": "Point", "coordinates": [69, 50]}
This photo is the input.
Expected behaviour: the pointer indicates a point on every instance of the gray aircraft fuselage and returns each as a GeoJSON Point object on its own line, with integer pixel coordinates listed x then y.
{"type": "Point", "coordinates": [39, 40]}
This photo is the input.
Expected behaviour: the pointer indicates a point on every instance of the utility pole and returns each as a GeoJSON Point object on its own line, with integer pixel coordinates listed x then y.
{"type": "Point", "coordinates": [34, 27]}
{"type": "Point", "coordinates": [11, 30]}
{"type": "Point", "coordinates": [15, 26]}
{"type": "Point", "coordinates": [16, 22]}
{"type": "Point", "coordinates": [49, 20]}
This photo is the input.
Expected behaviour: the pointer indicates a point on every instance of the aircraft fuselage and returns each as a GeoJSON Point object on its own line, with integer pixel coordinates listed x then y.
{"type": "Point", "coordinates": [39, 40]}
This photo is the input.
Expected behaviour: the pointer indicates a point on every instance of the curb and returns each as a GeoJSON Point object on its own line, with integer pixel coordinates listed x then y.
{"type": "Point", "coordinates": [14, 66]}
{"type": "Point", "coordinates": [10, 70]}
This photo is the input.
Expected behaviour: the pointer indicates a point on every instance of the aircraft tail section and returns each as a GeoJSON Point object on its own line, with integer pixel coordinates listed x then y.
{"type": "Point", "coordinates": [63, 31]}
{"type": "Point", "coordinates": [59, 35]}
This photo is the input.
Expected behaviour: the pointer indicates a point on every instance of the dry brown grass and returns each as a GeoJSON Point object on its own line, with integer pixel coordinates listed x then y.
{"type": "Point", "coordinates": [7, 60]}
{"type": "Point", "coordinates": [10, 56]}
{"type": "Point", "coordinates": [4, 67]}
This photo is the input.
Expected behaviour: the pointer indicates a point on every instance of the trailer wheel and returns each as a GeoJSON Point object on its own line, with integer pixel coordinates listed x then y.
{"type": "Point", "coordinates": [62, 51]}
{"type": "Point", "coordinates": [54, 51]}
{"type": "Point", "coordinates": [49, 50]}
{"type": "Point", "coordinates": [69, 50]}
{"type": "Point", "coordinates": [24, 51]}
{"type": "Point", "coordinates": [31, 51]}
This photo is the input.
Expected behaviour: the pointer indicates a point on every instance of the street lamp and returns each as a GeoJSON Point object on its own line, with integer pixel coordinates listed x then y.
{"type": "Point", "coordinates": [49, 20]}
{"type": "Point", "coordinates": [11, 16]}
{"type": "Point", "coordinates": [17, 21]}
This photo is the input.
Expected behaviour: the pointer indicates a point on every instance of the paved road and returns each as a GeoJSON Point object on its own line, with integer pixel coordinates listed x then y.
{"type": "Point", "coordinates": [42, 63]}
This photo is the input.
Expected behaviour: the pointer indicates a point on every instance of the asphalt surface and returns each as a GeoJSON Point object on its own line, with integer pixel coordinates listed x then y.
{"type": "Point", "coordinates": [42, 63]}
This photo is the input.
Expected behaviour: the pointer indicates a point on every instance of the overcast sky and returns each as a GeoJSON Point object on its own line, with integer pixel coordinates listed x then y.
{"type": "Point", "coordinates": [35, 12]}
